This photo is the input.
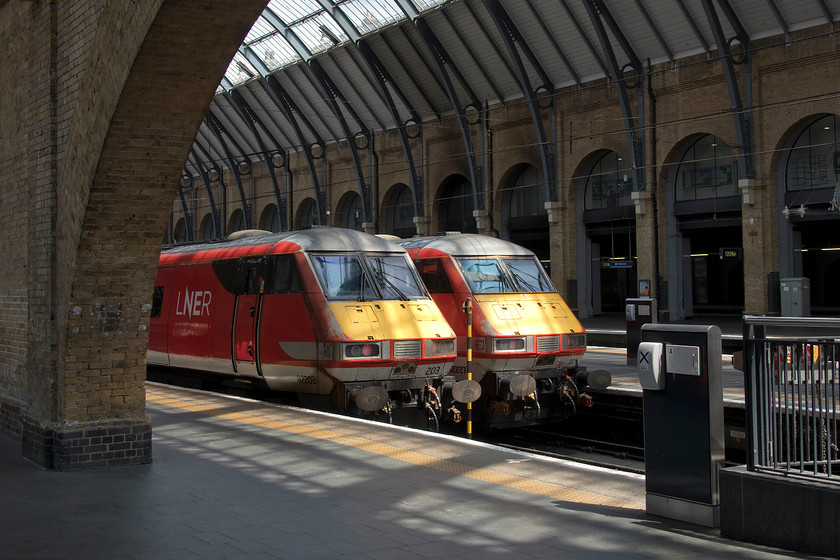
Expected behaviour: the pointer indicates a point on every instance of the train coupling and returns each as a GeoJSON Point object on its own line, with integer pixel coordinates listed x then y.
{"type": "Point", "coordinates": [454, 414]}
{"type": "Point", "coordinates": [585, 400]}
{"type": "Point", "coordinates": [499, 407]}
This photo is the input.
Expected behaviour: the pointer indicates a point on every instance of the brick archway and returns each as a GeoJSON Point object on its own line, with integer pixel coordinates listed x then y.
{"type": "Point", "coordinates": [128, 86]}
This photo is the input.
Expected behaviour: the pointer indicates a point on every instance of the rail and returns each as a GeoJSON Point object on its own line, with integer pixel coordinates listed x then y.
{"type": "Point", "coordinates": [792, 369]}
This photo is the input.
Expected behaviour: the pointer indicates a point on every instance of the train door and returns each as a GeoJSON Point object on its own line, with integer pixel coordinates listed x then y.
{"type": "Point", "coordinates": [250, 285]}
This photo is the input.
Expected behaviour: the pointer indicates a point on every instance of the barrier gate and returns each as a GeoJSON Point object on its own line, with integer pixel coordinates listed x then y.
{"type": "Point", "coordinates": [792, 370]}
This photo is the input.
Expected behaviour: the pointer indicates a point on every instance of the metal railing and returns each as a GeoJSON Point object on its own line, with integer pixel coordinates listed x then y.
{"type": "Point", "coordinates": [792, 376]}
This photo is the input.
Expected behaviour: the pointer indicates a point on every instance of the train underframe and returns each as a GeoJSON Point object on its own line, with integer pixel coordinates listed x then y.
{"type": "Point", "coordinates": [518, 398]}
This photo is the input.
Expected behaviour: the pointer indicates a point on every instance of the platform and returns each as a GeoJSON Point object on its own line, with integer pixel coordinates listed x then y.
{"type": "Point", "coordinates": [235, 478]}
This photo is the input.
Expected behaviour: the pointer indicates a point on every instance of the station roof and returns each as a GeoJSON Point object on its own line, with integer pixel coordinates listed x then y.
{"type": "Point", "coordinates": [314, 72]}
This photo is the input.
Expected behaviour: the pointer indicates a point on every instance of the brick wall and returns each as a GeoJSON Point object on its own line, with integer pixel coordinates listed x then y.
{"type": "Point", "coordinates": [109, 98]}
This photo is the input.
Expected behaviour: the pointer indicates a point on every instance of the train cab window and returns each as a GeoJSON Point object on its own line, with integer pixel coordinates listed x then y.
{"type": "Point", "coordinates": [434, 276]}
{"type": "Point", "coordinates": [395, 277]}
{"type": "Point", "coordinates": [529, 275]}
{"type": "Point", "coordinates": [284, 277]}
{"type": "Point", "coordinates": [485, 276]}
{"type": "Point", "coordinates": [342, 277]}
{"type": "Point", "coordinates": [157, 302]}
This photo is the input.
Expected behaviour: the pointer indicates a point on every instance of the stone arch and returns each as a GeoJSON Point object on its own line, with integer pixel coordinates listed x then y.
{"type": "Point", "coordinates": [398, 210]}
{"type": "Point", "coordinates": [807, 209]}
{"type": "Point", "coordinates": [702, 218]}
{"type": "Point", "coordinates": [307, 213]}
{"type": "Point", "coordinates": [454, 205]}
{"type": "Point", "coordinates": [236, 221]}
{"type": "Point", "coordinates": [348, 213]}
{"type": "Point", "coordinates": [117, 166]}
{"type": "Point", "coordinates": [605, 232]}
{"type": "Point", "coordinates": [270, 218]}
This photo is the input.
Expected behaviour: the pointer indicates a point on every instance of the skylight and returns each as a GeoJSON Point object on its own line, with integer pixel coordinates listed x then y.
{"type": "Point", "coordinates": [312, 26]}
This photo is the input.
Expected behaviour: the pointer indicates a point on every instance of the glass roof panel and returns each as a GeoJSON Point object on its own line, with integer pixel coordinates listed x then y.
{"type": "Point", "coordinates": [240, 70]}
{"type": "Point", "coordinates": [315, 28]}
{"type": "Point", "coordinates": [370, 15]}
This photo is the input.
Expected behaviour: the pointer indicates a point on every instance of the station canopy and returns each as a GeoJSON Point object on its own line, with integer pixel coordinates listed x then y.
{"type": "Point", "coordinates": [315, 72]}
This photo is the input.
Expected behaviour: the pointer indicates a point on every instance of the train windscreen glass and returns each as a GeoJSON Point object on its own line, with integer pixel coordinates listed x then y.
{"type": "Point", "coordinates": [367, 278]}
{"type": "Point", "coordinates": [395, 277]}
{"type": "Point", "coordinates": [485, 276]}
{"type": "Point", "coordinates": [343, 277]}
{"type": "Point", "coordinates": [528, 274]}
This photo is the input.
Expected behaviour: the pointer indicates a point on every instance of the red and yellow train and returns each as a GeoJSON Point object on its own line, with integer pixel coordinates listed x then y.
{"type": "Point", "coordinates": [336, 316]}
{"type": "Point", "coordinates": [526, 342]}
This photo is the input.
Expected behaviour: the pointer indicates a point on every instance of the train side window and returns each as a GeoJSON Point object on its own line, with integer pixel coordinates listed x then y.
{"type": "Point", "coordinates": [434, 276]}
{"type": "Point", "coordinates": [284, 278]}
{"type": "Point", "coordinates": [227, 273]}
{"type": "Point", "coordinates": [157, 302]}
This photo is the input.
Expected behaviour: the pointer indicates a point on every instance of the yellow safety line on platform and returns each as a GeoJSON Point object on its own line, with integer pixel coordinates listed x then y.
{"type": "Point", "coordinates": [444, 465]}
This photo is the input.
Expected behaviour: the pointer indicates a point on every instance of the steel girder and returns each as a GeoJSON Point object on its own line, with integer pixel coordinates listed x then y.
{"type": "Point", "coordinates": [331, 94]}
{"type": "Point", "coordinates": [294, 117]}
{"type": "Point", "coordinates": [442, 61]}
{"type": "Point", "coordinates": [253, 121]}
{"type": "Point", "coordinates": [634, 127]}
{"type": "Point", "coordinates": [512, 37]}
{"type": "Point", "coordinates": [221, 132]}
{"type": "Point", "coordinates": [383, 80]}
{"type": "Point", "coordinates": [741, 109]}
{"type": "Point", "coordinates": [214, 210]}
{"type": "Point", "coordinates": [186, 181]}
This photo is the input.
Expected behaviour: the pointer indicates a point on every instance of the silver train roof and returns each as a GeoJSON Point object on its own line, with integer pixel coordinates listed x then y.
{"type": "Point", "coordinates": [315, 239]}
{"type": "Point", "coordinates": [466, 245]}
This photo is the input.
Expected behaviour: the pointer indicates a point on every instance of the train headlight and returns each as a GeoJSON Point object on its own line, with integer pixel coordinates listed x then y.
{"type": "Point", "coordinates": [509, 344]}
{"type": "Point", "coordinates": [362, 351]}
{"type": "Point", "coordinates": [440, 346]}
{"type": "Point", "coordinates": [574, 340]}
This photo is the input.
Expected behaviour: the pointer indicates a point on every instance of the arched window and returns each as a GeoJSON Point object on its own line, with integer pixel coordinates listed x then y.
{"type": "Point", "coordinates": [180, 234]}
{"type": "Point", "coordinates": [814, 159]}
{"type": "Point", "coordinates": [270, 219]}
{"type": "Point", "coordinates": [455, 205]}
{"type": "Point", "coordinates": [307, 214]}
{"type": "Point", "coordinates": [399, 212]}
{"type": "Point", "coordinates": [526, 196]}
{"type": "Point", "coordinates": [237, 221]}
{"type": "Point", "coordinates": [707, 170]}
{"type": "Point", "coordinates": [207, 229]}
{"type": "Point", "coordinates": [609, 183]}
{"type": "Point", "coordinates": [350, 213]}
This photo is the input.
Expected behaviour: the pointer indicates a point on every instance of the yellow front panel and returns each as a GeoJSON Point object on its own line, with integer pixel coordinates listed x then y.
{"type": "Point", "coordinates": [528, 314]}
{"type": "Point", "coordinates": [392, 320]}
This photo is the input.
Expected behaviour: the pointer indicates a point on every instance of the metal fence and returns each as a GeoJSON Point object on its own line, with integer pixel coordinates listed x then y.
{"type": "Point", "coordinates": [792, 370]}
